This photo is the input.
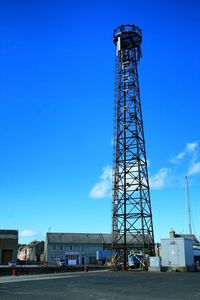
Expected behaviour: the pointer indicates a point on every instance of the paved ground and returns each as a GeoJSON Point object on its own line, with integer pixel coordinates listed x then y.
{"type": "Point", "coordinates": [102, 286]}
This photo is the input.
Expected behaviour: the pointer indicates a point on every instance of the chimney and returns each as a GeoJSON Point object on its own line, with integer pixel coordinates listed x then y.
{"type": "Point", "coordinates": [172, 234]}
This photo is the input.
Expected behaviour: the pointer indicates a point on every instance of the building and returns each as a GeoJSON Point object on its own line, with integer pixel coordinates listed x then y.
{"type": "Point", "coordinates": [31, 252]}
{"type": "Point", "coordinates": [82, 248]}
{"type": "Point", "coordinates": [36, 251]}
{"type": "Point", "coordinates": [23, 252]}
{"type": "Point", "coordinates": [75, 248]}
{"type": "Point", "coordinates": [177, 253]}
{"type": "Point", "coordinates": [8, 245]}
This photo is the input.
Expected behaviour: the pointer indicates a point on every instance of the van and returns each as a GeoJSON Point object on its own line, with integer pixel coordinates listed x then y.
{"type": "Point", "coordinates": [61, 262]}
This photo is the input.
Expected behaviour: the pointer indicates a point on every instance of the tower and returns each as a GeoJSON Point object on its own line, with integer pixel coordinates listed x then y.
{"type": "Point", "coordinates": [132, 215]}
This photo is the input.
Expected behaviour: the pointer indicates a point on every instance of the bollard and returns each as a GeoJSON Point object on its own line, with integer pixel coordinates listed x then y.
{"type": "Point", "coordinates": [45, 264]}
{"type": "Point", "coordinates": [86, 269]}
{"type": "Point", "coordinates": [14, 272]}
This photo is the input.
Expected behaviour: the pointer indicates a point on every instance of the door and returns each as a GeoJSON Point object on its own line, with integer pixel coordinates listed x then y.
{"type": "Point", "coordinates": [173, 254]}
{"type": "Point", "coordinates": [6, 255]}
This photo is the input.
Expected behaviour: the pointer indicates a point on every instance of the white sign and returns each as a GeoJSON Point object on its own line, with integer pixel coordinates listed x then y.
{"type": "Point", "coordinates": [72, 262]}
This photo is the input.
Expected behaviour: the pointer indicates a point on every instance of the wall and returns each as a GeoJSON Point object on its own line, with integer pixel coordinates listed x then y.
{"type": "Point", "coordinates": [86, 252]}
{"type": "Point", "coordinates": [189, 253]}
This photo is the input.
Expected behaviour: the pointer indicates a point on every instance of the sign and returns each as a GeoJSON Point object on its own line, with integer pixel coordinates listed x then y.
{"type": "Point", "coordinates": [71, 253]}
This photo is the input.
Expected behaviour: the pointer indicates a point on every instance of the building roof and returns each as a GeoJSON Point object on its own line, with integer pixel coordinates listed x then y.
{"type": "Point", "coordinates": [8, 234]}
{"type": "Point", "coordinates": [78, 238]}
{"type": "Point", "coordinates": [87, 238]}
{"type": "Point", "coordinates": [8, 231]}
{"type": "Point", "coordinates": [35, 244]}
{"type": "Point", "coordinates": [188, 236]}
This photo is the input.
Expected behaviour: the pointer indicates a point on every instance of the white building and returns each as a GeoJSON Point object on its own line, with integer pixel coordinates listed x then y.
{"type": "Point", "coordinates": [177, 253]}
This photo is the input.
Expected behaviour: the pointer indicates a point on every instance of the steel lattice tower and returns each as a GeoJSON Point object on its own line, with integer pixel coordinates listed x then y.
{"type": "Point", "coordinates": [132, 215]}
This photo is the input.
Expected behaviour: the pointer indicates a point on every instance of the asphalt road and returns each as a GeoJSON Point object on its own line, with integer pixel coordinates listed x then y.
{"type": "Point", "coordinates": [101, 286]}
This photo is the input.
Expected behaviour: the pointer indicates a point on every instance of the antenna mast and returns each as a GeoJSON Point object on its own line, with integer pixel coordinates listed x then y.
{"type": "Point", "coordinates": [188, 205]}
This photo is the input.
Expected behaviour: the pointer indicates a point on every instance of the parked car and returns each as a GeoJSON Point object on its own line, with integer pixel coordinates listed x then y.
{"type": "Point", "coordinates": [61, 262]}
{"type": "Point", "coordinates": [12, 263]}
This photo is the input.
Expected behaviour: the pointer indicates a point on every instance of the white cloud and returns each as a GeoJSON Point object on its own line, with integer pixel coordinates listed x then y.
{"type": "Point", "coordinates": [180, 155]}
{"type": "Point", "coordinates": [28, 233]}
{"type": "Point", "coordinates": [161, 179]}
{"type": "Point", "coordinates": [194, 168]}
{"type": "Point", "coordinates": [190, 149]}
{"type": "Point", "coordinates": [164, 178]}
{"type": "Point", "coordinates": [177, 159]}
{"type": "Point", "coordinates": [104, 186]}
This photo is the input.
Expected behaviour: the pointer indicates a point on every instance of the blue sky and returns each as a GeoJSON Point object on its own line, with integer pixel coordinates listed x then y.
{"type": "Point", "coordinates": [56, 112]}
